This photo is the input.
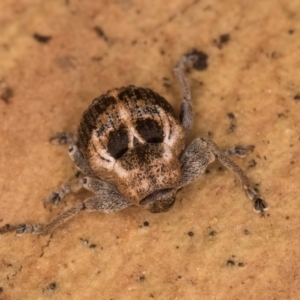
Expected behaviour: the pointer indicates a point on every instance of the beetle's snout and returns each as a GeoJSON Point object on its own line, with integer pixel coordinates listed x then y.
{"type": "Point", "coordinates": [159, 201]}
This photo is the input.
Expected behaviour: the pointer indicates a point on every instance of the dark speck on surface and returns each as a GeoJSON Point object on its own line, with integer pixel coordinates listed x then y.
{"type": "Point", "coordinates": [231, 116]}
{"type": "Point", "coordinates": [212, 233]}
{"type": "Point", "coordinates": [101, 33]}
{"type": "Point", "coordinates": [191, 233]}
{"type": "Point", "coordinates": [146, 223]}
{"type": "Point", "coordinates": [50, 287]}
{"type": "Point", "coordinates": [230, 262]}
{"type": "Point", "coordinates": [297, 97]}
{"type": "Point", "coordinates": [200, 63]}
{"type": "Point", "coordinates": [43, 39]}
{"type": "Point", "coordinates": [252, 163]}
{"type": "Point", "coordinates": [223, 40]}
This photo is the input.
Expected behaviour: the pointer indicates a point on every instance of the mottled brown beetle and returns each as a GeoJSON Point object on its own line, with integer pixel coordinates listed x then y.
{"type": "Point", "coordinates": [131, 149]}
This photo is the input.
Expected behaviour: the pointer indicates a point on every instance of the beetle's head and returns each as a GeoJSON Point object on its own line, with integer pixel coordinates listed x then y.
{"type": "Point", "coordinates": [148, 175]}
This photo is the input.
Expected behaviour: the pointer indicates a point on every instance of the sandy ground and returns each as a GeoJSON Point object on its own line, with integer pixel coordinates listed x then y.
{"type": "Point", "coordinates": [56, 56]}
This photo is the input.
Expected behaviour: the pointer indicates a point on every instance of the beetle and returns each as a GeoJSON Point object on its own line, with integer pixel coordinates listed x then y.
{"type": "Point", "coordinates": [131, 149]}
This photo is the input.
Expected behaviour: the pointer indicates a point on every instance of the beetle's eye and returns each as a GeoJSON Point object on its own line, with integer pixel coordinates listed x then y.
{"type": "Point", "coordinates": [118, 142]}
{"type": "Point", "coordinates": [150, 130]}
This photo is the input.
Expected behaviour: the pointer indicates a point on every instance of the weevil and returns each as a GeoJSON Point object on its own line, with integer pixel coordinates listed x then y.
{"type": "Point", "coordinates": [130, 148]}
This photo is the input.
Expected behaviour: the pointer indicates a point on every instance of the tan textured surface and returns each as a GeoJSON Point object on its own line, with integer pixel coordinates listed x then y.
{"type": "Point", "coordinates": [255, 76]}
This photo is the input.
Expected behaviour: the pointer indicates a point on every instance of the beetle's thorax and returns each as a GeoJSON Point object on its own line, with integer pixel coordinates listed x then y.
{"type": "Point", "coordinates": [132, 136]}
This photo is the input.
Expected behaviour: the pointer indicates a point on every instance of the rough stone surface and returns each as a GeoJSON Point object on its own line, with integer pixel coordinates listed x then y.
{"type": "Point", "coordinates": [56, 56]}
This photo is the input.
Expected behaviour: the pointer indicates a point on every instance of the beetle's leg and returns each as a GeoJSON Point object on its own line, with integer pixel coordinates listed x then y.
{"type": "Point", "coordinates": [83, 166]}
{"type": "Point", "coordinates": [64, 138]}
{"type": "Point", "coordinates": [186, 111]}
{"type": "Point", "coordinates": [199, 154]}
{"type": "Point", "coordinates": [78, 159]}
{"type": "Point", "coordinates": [108, 199]}
{"type": "Point", "coordinates": [75, 154]}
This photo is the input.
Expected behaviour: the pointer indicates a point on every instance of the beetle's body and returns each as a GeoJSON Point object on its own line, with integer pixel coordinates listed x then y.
{"type": "Point", "coordinates": [131, 137]}
{"type": "Point", "coordinates": [131, 150]}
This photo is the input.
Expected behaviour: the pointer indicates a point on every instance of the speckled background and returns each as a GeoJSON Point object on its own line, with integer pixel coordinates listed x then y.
{"type": "Point", "coordinates": [56, 56]}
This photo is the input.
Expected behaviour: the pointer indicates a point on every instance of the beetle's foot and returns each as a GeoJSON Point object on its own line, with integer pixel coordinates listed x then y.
{"type": "Point", "coordinates": [21, 228]}
{"type": "Point", "coordinates": [197, 59]}
{"type": "Point", "coordinates": [57, 197]}
{"type": "Point", "coordinates": [240, 151]}
{"type": "Point", "coordinates": [260, 206]}
{"type": "Point", "coordinates": [63, 138]}
{"type": "Point", "coordinates": [28, 228]}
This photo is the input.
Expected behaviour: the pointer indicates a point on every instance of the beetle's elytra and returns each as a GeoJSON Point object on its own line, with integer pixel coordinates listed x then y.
{"type": "Point", "coordinates": [132, 136]}
{"type": "Point", "coordinates": [130, 148]}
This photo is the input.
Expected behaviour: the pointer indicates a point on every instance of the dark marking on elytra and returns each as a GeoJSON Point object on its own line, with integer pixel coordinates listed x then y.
{"type": "Point", "coordinates": [150, 130]}
{"type": "Point", "coordinates": [118, 142]}
{"type": "Point", "coordinates": [90, 118]}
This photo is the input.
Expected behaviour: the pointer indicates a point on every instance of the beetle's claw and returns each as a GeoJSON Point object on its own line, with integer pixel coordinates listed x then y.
{"type": "Point", "coordinates": [260, 206]}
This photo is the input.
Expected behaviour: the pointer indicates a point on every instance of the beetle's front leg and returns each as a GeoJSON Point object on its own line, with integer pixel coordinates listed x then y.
{"type": "Point", "coordinates": [200, 153]}
{"type": "Point", "coordinates": [82, 165]}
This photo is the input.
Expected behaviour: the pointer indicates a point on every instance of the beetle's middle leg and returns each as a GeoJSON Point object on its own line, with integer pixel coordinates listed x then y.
{"type": "Point", "coordinates": [200, 153]}
{"type": "Point", "coordinates": [82, 165]}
